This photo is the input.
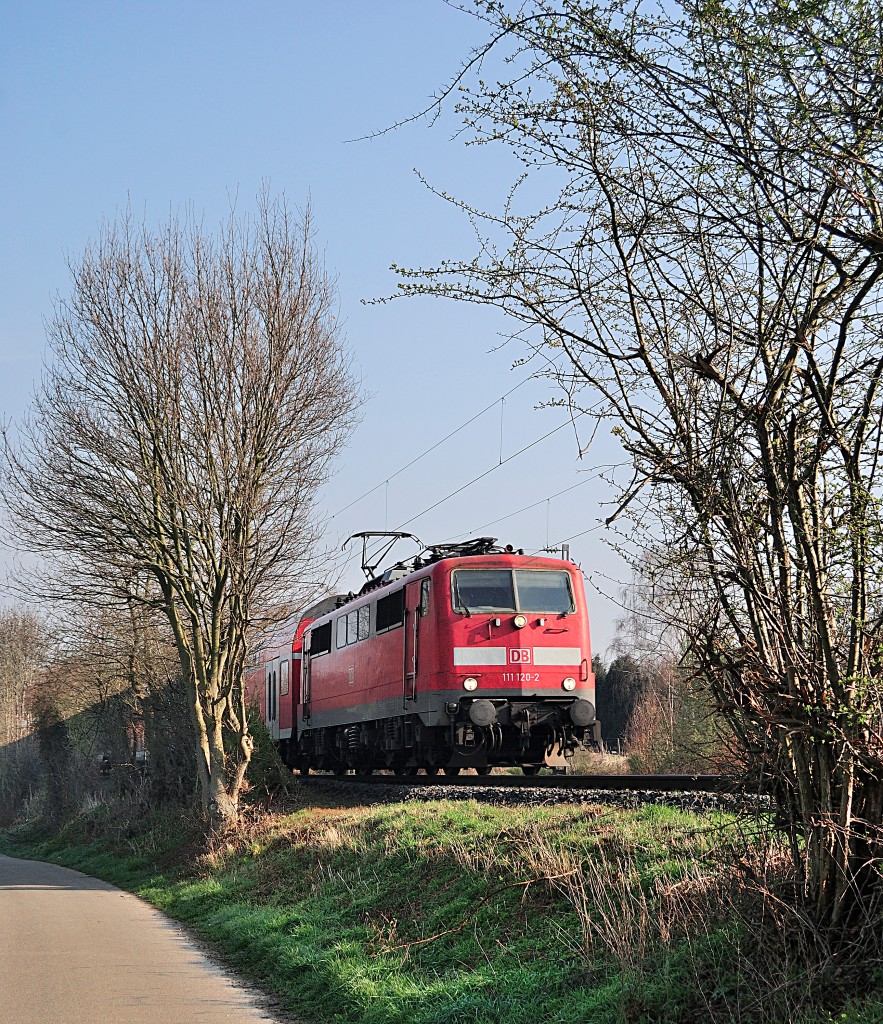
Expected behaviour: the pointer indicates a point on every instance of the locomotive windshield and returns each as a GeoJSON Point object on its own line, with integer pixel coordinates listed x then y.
{"type": "Point", "coordinates": [508, 590]}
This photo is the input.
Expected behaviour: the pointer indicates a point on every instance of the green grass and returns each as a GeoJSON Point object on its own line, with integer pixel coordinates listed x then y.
{"type": "Point", "coordinates": [449, 912]}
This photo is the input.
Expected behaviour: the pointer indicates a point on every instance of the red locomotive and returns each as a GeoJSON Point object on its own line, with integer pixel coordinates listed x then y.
{"type": "Point", "coordinates": [471, 656]}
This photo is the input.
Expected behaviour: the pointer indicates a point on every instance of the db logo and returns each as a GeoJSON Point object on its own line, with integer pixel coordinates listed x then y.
{"type": "Point", "coordinates": [519, 655]}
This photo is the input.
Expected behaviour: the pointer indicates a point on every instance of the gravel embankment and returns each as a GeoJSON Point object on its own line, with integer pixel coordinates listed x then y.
{"type": "Point", "coordinates": [696, 802]}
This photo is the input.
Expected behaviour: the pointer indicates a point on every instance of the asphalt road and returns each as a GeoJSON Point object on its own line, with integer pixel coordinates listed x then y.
{"type": "Point", "coordinates": [74, 950]}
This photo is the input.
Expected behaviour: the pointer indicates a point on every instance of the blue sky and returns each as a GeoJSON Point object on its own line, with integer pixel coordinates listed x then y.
{"type": "Point", "coordinates": [162, 104]}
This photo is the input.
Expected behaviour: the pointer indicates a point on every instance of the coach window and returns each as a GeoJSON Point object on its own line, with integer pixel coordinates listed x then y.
{"type": "Point", "coordinates": [364, 621]}
{"type": "Point", "coordinates": [424, 598]}
{"type": "Point", "coordinates": [320, 640]}
{"type": "Point", "coordinates": [341, 632]}
{"type": "Point", "coordinates": [283, 684]}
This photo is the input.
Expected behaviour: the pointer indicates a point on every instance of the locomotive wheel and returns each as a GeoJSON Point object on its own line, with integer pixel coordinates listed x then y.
{"type": "Point", "coordinates": [364, 769]}
{"type": "Point", "coordinates": [399, 769]}
{"type": "Point", "coordinates": [485, 769]}
{"type": "Point", "coordinates": [531, 769]}
{"type": "Point", "coordinates": [431, 769]}
{"type": "Point", "coordinates": [452, 771]}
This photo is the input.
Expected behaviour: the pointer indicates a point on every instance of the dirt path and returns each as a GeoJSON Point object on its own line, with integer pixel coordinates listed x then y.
{"type": "Point", "coordinates": [74, 950]}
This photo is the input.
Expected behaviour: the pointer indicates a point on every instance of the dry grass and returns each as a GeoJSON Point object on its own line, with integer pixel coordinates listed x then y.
{"type": "Point", "coordinates": [592, 762]}
{"type": "Point", "coordinates": [724, 931]}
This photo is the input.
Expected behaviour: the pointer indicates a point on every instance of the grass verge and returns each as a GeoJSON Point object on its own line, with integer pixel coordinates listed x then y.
{"type": "Point", "coordinates": [453, 912]}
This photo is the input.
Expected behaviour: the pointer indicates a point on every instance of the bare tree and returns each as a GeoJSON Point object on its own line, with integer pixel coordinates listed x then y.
{"type": "Point", "coordinates": [198, 390]}
{"type": "Point", "coordinates": [112, 662]}
{"type": "Point", "coordinates": [22, 656]}
{"type": "Point", "coordinates": [709, 256]}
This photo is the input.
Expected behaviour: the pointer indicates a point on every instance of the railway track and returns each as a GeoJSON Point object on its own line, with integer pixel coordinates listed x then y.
{"type": "Point", "coordinates": [607, 783]}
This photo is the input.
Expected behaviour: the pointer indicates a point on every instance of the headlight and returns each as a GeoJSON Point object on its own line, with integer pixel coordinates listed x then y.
{"type": "Point", "coordinates": [519, 621]}
{"type": "Point", "coordinates": [470, 683]}
{"type": "Point", "coordinates": [569, 683]}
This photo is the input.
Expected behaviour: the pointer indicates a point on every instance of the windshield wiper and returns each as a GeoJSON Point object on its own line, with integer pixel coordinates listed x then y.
{"type": "Point", "coordinates": [460, 602]}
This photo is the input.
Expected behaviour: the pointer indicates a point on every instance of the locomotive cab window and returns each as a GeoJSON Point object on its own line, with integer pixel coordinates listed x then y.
{"type": "Point", "coordinates": [504, 590]}
{"type": "Point", "coordinates": [543, 591]}
{"type": "Point", "coordinates": [483, 590]}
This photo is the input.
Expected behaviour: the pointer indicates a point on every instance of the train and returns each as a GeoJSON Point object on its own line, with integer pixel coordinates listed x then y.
{"type": "Point", "coordinates": [470, 655]}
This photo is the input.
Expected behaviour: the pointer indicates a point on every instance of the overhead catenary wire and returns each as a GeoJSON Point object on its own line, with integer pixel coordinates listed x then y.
{"type": "Point", "coordinates": [573, 536]}
{"type": "Point", "coordinates": [475, 480]}
{"type": "Point", "coordinates": [491, 469]}
{"type": "Point", "coordinates": [342, 562]}
{"type": "Point", "coordinates": [497, 401]}
{"type": "Point", "coordinates": [481, 476]}
{"type": "Point", "coordinates": [526, 508]}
